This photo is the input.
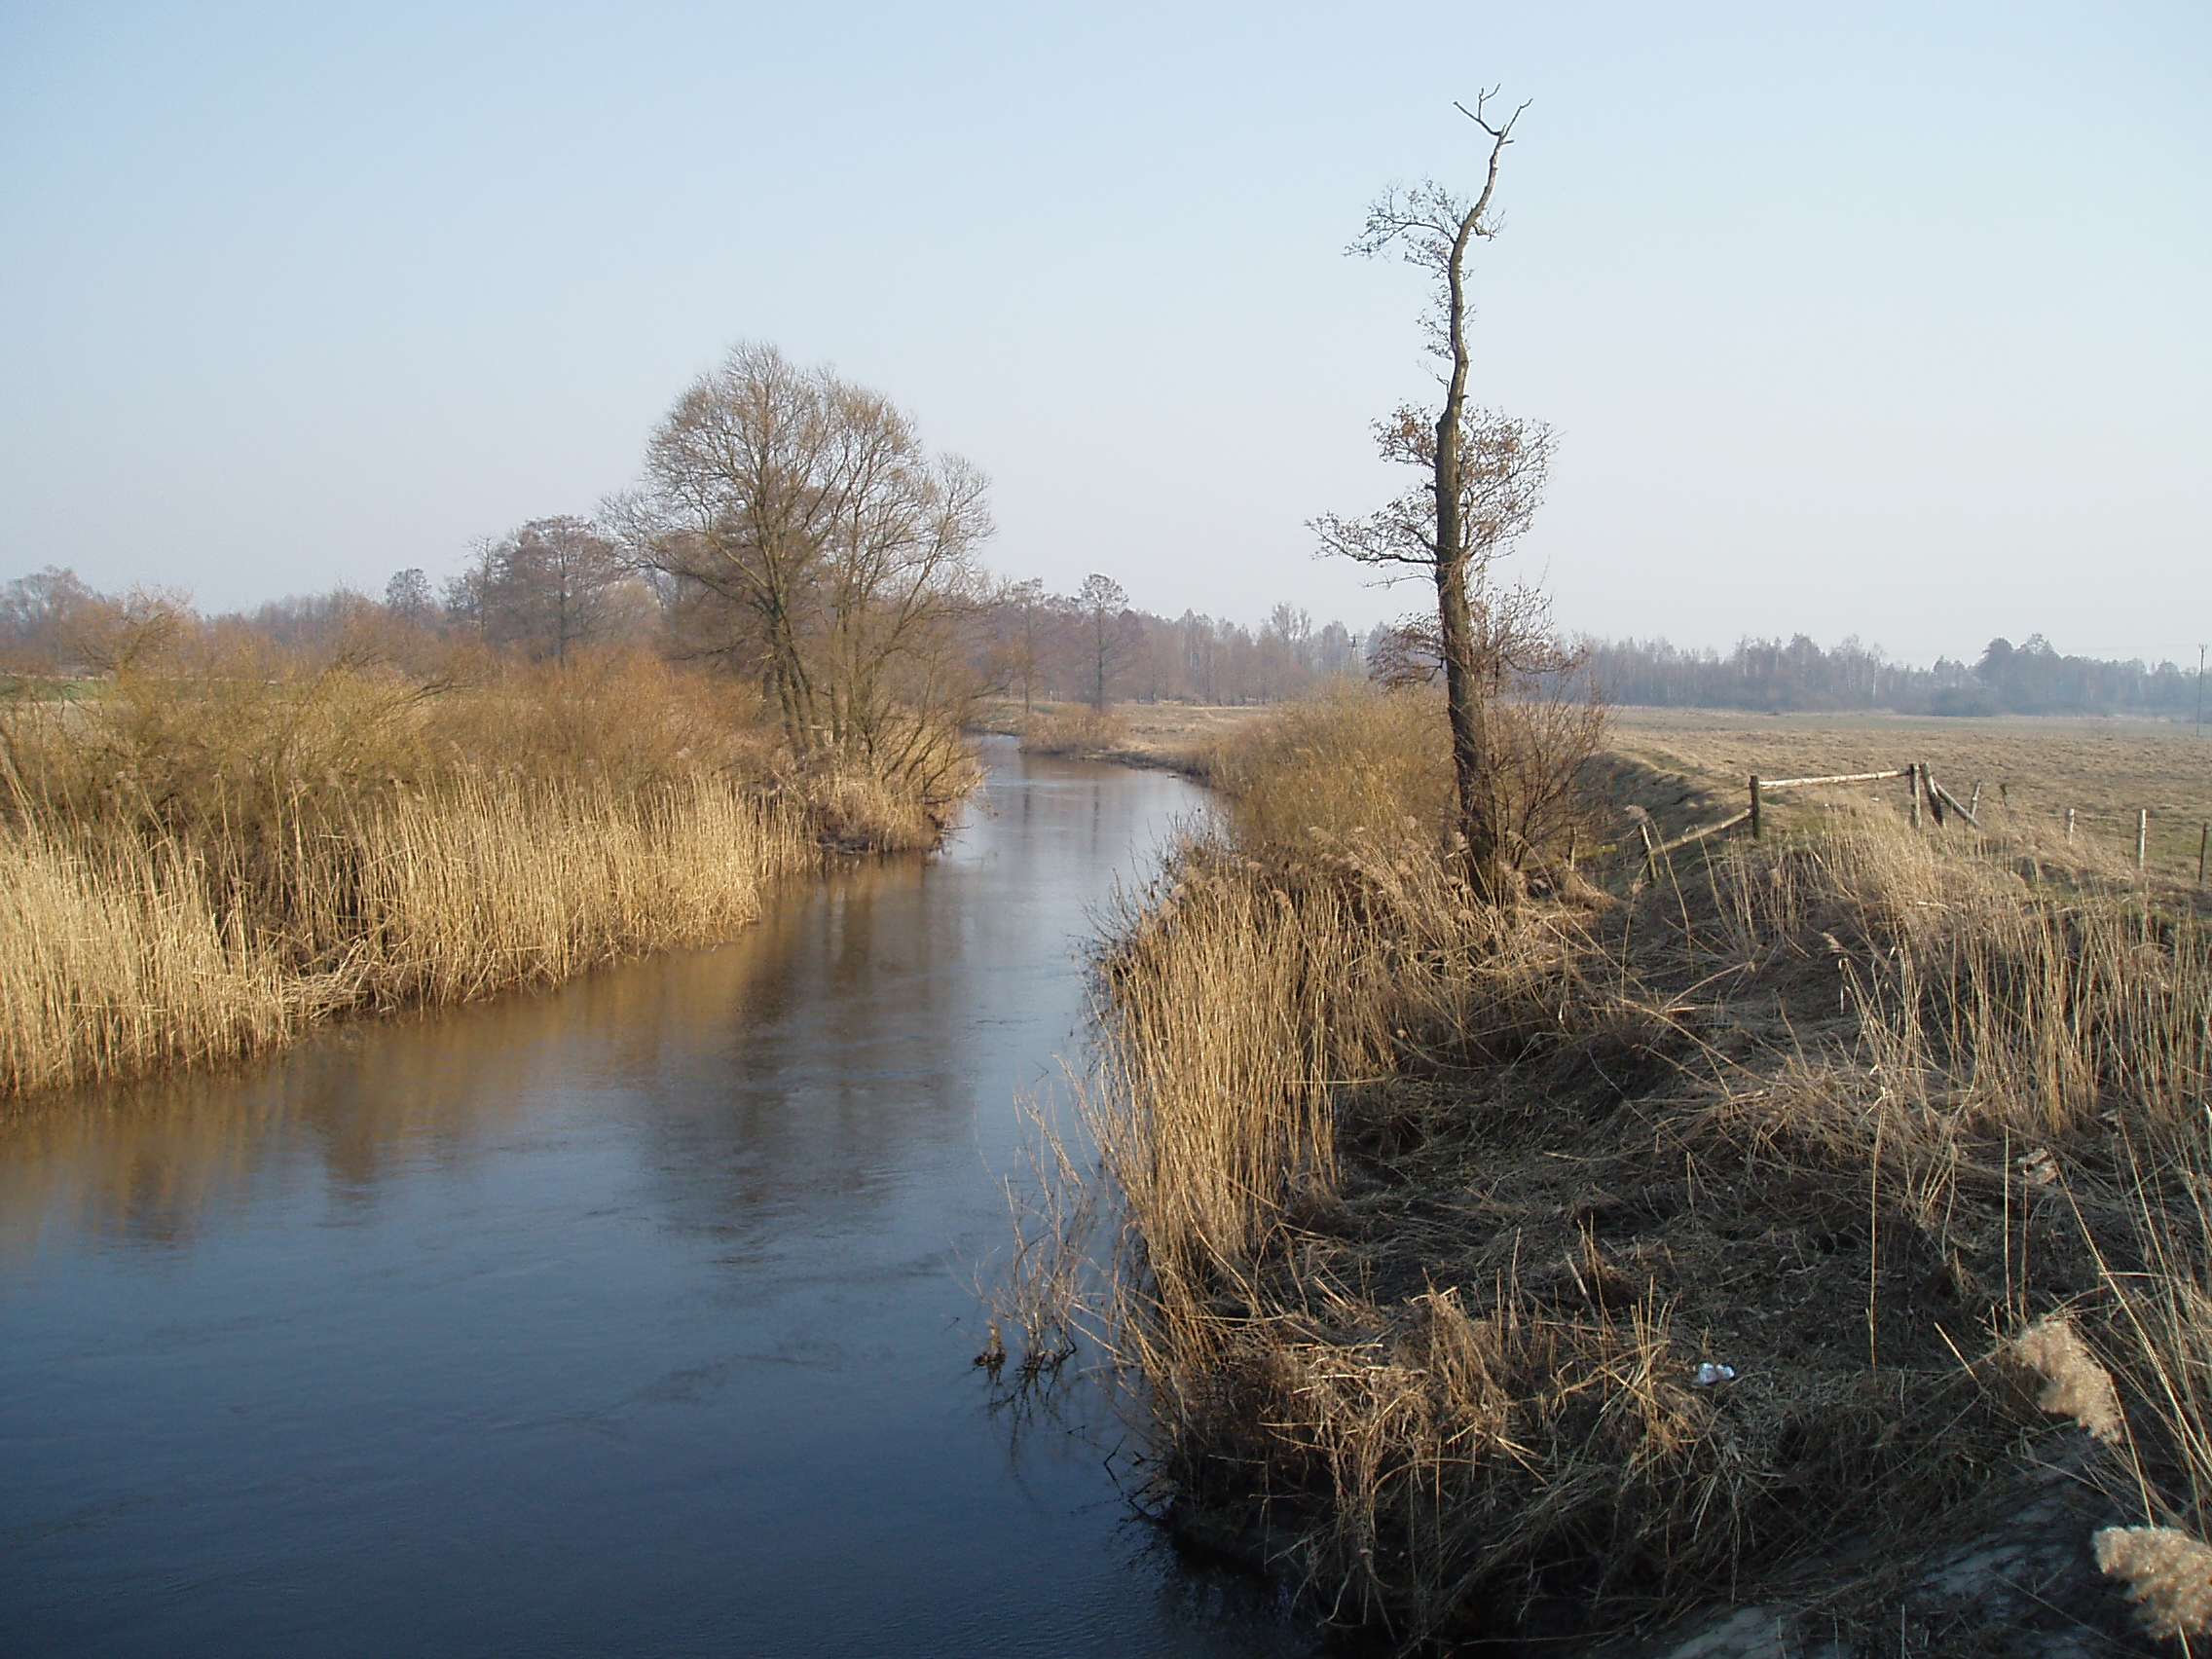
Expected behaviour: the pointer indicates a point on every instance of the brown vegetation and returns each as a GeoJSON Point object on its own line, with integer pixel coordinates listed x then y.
{"type": "Point", "coordinates": [228, 840]}
{"type": "Point", "coordinates": [1175, 737]}
{"type": "Point", "coordinates": [2029, 771]}
{"type": "Point", "coordinates": [1428, 1212]}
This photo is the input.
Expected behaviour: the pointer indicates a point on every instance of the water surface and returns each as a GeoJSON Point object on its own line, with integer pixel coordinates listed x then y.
{"type": "Point", "coordinates": [632, 1317]}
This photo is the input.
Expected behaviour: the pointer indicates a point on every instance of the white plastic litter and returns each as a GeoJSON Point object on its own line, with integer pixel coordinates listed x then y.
{"type": "Point", "coordinates": [1708, 1374]}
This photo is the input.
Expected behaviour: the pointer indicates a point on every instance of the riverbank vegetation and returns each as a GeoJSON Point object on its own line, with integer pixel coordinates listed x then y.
{"type": "Point", "coordinates": [1754, 1233]}
{"type": "Point", "coordinates": [1502, 1237]}
{"type": "Point", "coordinates": [226, 840]}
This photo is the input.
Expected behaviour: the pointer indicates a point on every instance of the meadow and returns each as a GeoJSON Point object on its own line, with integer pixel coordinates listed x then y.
{"type": "Point", "coordinates": [2028, 770]}
{"type": "Point", "coordinates": [1175, 737]}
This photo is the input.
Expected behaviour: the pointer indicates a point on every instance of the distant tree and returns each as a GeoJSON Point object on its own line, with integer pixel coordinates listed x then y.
{"type": "Point", "coordinates": [556, 584]}
{"type": "Point", "coordinates": [409, 597]}
{"type": "Point", "coordinates": [464, 594]}
{"type": "Point", "coordinates": [1101, 601]}
{"type": "Point", "coordinates": [36, 614]}
{"type": "Point", "coordinates": [1201, 653]}
{"type": "Point", "coordinates": [119, 634]}
{"type": "Point", "coordinates": [1032, 608]}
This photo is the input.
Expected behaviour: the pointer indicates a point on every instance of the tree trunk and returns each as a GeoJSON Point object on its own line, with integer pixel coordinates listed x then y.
{"type": "Point", "coordinates": [1463, 691]}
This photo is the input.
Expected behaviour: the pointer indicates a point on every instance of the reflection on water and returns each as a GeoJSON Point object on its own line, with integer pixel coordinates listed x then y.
{"type": "Point", "coordinates": [629, 1317]}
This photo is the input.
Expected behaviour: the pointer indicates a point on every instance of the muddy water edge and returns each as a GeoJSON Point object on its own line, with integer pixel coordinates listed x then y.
{"type": "Point", "coordinates": [630, 1317]}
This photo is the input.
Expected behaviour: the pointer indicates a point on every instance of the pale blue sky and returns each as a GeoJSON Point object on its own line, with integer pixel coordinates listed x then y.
{"type": "Point", "coordinates": [1886, 321]}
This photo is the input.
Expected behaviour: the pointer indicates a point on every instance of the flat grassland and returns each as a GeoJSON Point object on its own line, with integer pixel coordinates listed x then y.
{"type": "Point", "coordinates": [2029, 769]}
{"type": "Point", "coordinates": [1693, 766]}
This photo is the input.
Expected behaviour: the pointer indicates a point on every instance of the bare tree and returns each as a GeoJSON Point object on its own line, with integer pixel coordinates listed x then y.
{"type": "Point", "coordinates": [1485, 478]}
{"type": "Point", "coordinates": [1100, 601]}
{"type": "Point", "coordinates": [558, 583]}
{"type": "Point", "coordinates": [1022, 650]}
{"type": "Point", "coordinates": [409, 597]}
{"type": "Point", "coordinates": [810, 537]}
{"type": "Point", "coordinates": [37, 614]}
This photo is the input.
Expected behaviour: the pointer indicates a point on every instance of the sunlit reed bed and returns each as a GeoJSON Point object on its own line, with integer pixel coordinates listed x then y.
{"type": "Point", "coordinates": [118, 953]}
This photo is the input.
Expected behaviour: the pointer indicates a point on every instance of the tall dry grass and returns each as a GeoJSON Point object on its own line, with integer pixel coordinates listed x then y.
{"type": "Point", "coordinates": [1423, 1214]}
{"type": "Point", "coordinates": [228, 842]}
{"type": "Point", "coordinates": [1073, 729]}
{"type": "Point", "coordinates": [124, 954]}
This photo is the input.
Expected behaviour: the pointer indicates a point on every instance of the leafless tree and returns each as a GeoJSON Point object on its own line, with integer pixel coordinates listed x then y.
{"type": "Point", "coordinates": [1485, 476]}
{"type": "Point", "coordinates": [37, 614]}
{"type": "Point", "coordinates": [559, 583]}
{"type": "Point", "coordinates": [1101, 602]}
{"type": "Point", "coordinates": [810, 536]}
{"type": "Point", "coordinates": [1026, 612]}
{"type": "Point", "coordinates": [409, 597]}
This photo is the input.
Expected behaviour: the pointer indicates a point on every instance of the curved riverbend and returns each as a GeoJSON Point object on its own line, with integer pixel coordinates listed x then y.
{"type": "Point", "coordinates": [631, 1317]}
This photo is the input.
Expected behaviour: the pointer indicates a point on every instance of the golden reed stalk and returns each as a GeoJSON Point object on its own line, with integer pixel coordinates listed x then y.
{"type": "Point", "coordinates": [117, 955]}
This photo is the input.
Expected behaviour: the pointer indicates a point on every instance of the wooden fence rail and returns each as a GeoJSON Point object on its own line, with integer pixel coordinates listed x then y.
{"type": "Point", "coordinates": [1923, 786]}
{"type": "Point", "coordinates": [1839, 778]}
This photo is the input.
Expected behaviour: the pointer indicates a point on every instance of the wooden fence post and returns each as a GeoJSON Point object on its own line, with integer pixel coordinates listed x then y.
{"type": "Point", "coordinates": [1912, 787]}
{"type": "Point", "coordinates": [2142, 835]}
{"type": "Point", "coordinates": [2069, 826]}
{"type": "Point", "coordinates": [1754, 806]}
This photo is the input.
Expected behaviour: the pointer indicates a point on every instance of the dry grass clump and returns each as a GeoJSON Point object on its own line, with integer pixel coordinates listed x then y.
{"type": "Point", "coordinates": [2168, 1575]}
{"type": "Point", "coordinates": [2075, 1385]}
{"type": "Point", "coordinates": [115, 959]}
{"type": "Point", "coordinates": [231, 840]}
{"type": "Point", "coordinates": [1356, 760]}
{"type": "Point", "coordinates": [1350, 762]}
{"type": "Point", "coordinates": [1430, 1213]}
{"type": "Point", "coordinates": [1076, 729]}
{"type": "Point", "coordinates": [125, 954]}
{"type": "Point", "coordinates": [858, 806]}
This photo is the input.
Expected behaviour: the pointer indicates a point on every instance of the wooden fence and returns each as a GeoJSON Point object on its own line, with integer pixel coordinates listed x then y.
{"type": "Point", "coordinates": [1924, 786]}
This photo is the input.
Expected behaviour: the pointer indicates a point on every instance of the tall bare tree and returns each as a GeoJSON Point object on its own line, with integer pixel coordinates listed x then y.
{"type": "Point", "coordinates": [1101, 602]}
{"type": "Point", "coordinates": [810, 536]}
{"type": "Point", "coordinates": [1485, 477]}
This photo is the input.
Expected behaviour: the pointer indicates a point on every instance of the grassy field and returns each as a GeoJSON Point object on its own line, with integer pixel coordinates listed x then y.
{"type": "Point", "coordinates": [2030, 770]}
{"type": "Point", "coordinates": [1688, 766]}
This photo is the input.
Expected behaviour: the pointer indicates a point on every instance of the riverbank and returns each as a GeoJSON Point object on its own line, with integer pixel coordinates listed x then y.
{"type": "Point", "coordinates": [1168, 737]}
{"type": "Point", "coordinates": [1713, 1239]}
{"type": "Point", "coordinates": [205, 865]}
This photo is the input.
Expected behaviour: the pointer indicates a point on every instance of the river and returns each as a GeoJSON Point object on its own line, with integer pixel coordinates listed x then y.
{"type": "Point", "coordinates": [632, 1317]}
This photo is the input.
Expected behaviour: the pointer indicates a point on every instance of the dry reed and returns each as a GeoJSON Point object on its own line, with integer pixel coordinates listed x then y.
{"type": "Point", "coordinates": [230, 838]}
{"type": "Point", "coordinates": [2168, 1575]}
{"type": "Point", "coordinates": [1427, 1213]}
{"type": "Point", "coordinates": [119, 955]}
{"type": "Point", "coordinates": [1075, 730]}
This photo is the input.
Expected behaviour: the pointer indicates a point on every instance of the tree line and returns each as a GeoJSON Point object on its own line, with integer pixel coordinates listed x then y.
{"type": "Point", "coordinates": [2031, 679]}
{"type": "Point", "coordinates": [791, 530]}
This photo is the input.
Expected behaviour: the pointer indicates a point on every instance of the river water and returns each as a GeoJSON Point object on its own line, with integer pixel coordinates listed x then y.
{"type": "Point", "coordinates": [633, 1317]}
